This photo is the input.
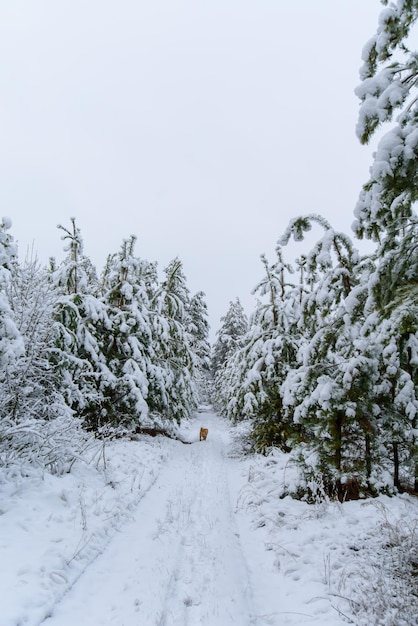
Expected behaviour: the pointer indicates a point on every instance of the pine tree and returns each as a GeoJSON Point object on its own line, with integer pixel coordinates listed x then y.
{"type": "Point", "coordinates": [234, 325]}
{"type": "Point", "coordinates": [42, 428]}
{"type": "Point", "coordinates": [76, 316]}
{"type": "Point", "coordinates": [11, 345]}
{"type": "Point", "coordinates": [178, 362]}
{"type": "Point", "coordinates": [36, 425]}
{"type": "Point", "coordinates": [327, 394]}
{"type": "Point", "coordinates": [36, 384]}
{"type": "Point", "coordinates": [385, 210]}
{"type": "Point", "coordinates": [260, 366]}
{"type": "Point", "coordinates": [76, 274]}
{"type": "Point", "coordinates": [127, 344]}
{"type": "Point", "coordinates": [198, 330]}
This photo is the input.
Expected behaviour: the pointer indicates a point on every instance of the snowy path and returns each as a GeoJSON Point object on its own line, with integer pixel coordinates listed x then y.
{"type": "Point", "coordinates": [180, 561]}
{"type": "Point", "coordinates": [157, 533]}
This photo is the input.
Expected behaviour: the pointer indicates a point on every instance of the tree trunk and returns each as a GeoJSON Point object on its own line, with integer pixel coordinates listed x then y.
{"type": "Point", "coordinates": [368, 459]}
{"type": "Point", "coordinates": [338, 441]}
{"type": "Point", "coordinates": [339, 419]}
{"type": "Point", "coordinates": [396, 482]}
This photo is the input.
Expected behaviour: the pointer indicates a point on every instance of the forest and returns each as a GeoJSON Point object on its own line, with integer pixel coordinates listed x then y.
{"type": "Point", "coordinates": [325, 368]}
{"type": "Point", "coordinates": [300, 504]}
{"type": "Point", "coordinates": [83, 356]}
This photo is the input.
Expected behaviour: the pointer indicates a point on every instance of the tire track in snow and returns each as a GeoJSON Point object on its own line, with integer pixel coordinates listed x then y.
{"type": "Point", "coordinates": [180, 562]}
{"type": "Point", "coordinates": [210, 581]}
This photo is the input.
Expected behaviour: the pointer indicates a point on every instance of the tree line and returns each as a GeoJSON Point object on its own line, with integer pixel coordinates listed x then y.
{"type": "Point", "coordinates": [81, 353]}
{"type": "Point", "coordinates": [327, 365]}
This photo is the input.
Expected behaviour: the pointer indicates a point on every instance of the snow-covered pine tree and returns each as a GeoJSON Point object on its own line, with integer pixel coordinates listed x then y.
{"type": "Point", "coordinates": [394, 345]}
{"type": "Point", "coordinates": [234, 325]}
{"type": "Point", "coordinates": [35, 423]}
{"type": "Point", "coordinates": [76, 274]}
{"type": "Point", "coordinates": [128, 348]}
{"type": "Point", "coordinates": [385, 212]}
{"type": "Point", "coordinates": [42, 424]}
{"type": "Point", "coordinates": [177, 361]}
{"type": "Point", "coordinates": [11, 344]}
{"type": "Point", "coordinates": [258, 369]}
{"type": "Point", "coordinates": [327, 393]}
{"type": "Point", "coordinates": [198, 330]}
{"type": "Point", "coordinates": [83, 330]}
{"type": "Point", "coordinates": [36, 384]}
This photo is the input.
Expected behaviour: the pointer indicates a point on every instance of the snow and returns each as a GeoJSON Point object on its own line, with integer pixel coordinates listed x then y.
{"type": "Point", "coordinates": [159, 532]}
{"type": "Point", "coordinates": [6, 222]}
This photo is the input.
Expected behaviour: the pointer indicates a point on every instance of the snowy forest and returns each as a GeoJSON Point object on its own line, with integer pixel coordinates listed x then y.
{"type": "Point", "coordinates": [324, 370]}
{"type": "Point", "coordinates": [81, 355]}
{"type": "Point", "coordinates": [326, 367]}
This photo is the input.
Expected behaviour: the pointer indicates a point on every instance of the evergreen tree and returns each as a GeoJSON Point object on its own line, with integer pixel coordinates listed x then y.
{"type": "Point", "coordinates": [127, 348]}
{"type": "Point", "coordinates": [385, 211]}
{"type": "Point", "coordinates": [76, 274]}
{"type": "Point", "coordinates": [36, 425]}
{"type": "Point", "coordinates": [83, 330]}
{"type": "Point", "coordinates": [41, 426]}
{"type": "Point", "coordinates": [258, 369]}
{"type": "Point", "coordinates": [11, 345]}
{"type": "Point", "coordinates": [322, 393]}
{"type": "Point", "coordinates": [198, 331]}
{"type": "Point", "coordinates": [36, 384]}
{"type": "Point", "coordinates": [178, 362]}
{"type": "Point", "coordinates": [234, 325]}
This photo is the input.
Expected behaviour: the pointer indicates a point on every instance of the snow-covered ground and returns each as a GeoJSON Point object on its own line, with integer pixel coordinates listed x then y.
{"type": "Point", "coordinates": [157, 532]}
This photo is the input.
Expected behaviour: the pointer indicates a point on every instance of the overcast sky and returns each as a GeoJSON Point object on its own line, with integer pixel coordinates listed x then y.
{"type": "Point", "coordinates": [201, 126]}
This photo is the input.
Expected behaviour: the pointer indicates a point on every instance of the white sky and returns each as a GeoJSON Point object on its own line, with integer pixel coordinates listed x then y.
{"type": "Point", "coordinates": [201, 126]}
